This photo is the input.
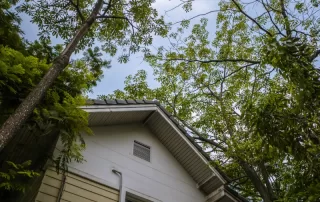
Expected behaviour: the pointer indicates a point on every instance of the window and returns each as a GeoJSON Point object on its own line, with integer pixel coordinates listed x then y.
{"type": "Point", "coordinates": [141, 150]}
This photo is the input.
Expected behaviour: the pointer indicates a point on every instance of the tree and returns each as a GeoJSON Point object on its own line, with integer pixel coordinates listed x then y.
{"type": "Point", "coordinates": [59, 110]}
{"type": "Point", "coordinates": [249, 97]}
{"type": "Point", "coordinates": [58, 115]}
{"type": "Point", "coordinates": [22, 65]}
{"type": "Point", "coordinates": [81, 23]}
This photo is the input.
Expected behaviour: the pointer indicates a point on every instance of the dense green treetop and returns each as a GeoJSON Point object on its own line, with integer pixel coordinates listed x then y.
{"type": "Point", "coordinates": [126, 25]}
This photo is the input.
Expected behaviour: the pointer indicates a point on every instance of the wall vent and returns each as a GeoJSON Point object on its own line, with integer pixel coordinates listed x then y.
{"type": "Point", "coordinates": [141, 150]}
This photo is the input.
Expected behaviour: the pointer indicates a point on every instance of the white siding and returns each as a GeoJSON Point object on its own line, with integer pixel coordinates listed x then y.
{"type": "Point", "coordinates": [162, 179]}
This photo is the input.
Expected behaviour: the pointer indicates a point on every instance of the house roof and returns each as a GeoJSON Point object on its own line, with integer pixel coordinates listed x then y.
{"type": "Point", "coordinates": [167, 128]}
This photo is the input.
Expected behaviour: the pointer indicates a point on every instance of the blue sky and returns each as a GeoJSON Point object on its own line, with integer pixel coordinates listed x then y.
{"type": "Point", "coordinates": [115, 76]}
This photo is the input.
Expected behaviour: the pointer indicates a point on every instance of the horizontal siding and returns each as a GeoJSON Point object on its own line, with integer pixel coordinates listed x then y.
{"type": "Point", "coordinates": [46, 197]}
{"type": "Point", "coordinates": [76, 189]}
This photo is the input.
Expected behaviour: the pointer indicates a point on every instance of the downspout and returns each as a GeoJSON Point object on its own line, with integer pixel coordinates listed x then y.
{"type": "Point", "coordinates": [120, 188]}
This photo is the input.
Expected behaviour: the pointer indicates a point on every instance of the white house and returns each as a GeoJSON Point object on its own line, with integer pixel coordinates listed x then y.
{"type": "Point", "coordinates": [138, 153]}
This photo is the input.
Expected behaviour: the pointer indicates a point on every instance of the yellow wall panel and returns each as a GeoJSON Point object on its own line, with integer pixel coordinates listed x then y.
{"type": "Point", "coordinates": [76, 188]}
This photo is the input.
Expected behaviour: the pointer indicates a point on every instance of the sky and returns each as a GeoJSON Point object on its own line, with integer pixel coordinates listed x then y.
{"type": "Point", "coordinates": [115, 76]}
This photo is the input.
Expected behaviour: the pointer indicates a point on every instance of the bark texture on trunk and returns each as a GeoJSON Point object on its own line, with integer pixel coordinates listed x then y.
{"type": "Point", "coordinates": [25, 109]}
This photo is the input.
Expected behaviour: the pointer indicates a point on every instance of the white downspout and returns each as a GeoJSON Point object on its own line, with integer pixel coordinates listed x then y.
{"type": "Point", "coordinates": [120, 188]}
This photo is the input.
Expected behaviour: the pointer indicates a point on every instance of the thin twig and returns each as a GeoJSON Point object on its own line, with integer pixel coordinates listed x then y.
{"type": "Point", "coordinates": [238, 178]}
{"type": "Point", "coordinates": [107, 9]}
{"type": "Point", "coordinates": [315, 55]}
{"type": "Point", "coordinates": [286, 20]}
{"type": "Point", "coordinates": [209, 142]}
{"type": "Point", "coordinates": [118, 17]}
{"type": "Point", "coordinates": [232, 73]}
{"type": "Point", "coordinates": [203, 14]}
{"type": "Point", "coordinates": [275, 25]}
{"type": "Point", "coordinates": [76, 6]}
{"type": "Point", "coordinates": [176, 6]}
{"type": "Point", "coordinates": [210, 61]}
{"type": "Point", "coordinates": [253, 20]}
{"type": "Point", "coordinates": [297, 31]}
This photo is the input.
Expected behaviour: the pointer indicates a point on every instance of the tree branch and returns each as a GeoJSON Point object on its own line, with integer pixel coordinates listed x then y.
{"type": "Point", "coordinates": [253, 20]}
{"type": "Point", "coordinates": [203, 14]}
{"type": "Point", "coordinates": [183, 2]}
{"type": "Point", "coordinates": [274, 24]}
{"type": "Point", "coordinates": [297, 31]}
{"type": "Point", "coordinates": [256, 181]}
{"type": "Point", "coordinates": [76, 6]}
{"type": "Point", "coordinates": [265, 176]}
{"type": "Point", "coordinates": [315, 55]}
{"type": "Point", "coordinates": [235, 71]}
{"type": "Point", "coordinates": [210, 61]}
{"type": "Point", "coordinates": [213, 94]}
{"type": "Point", "coordinates": [108, 8]}
{"type": "Point", "coordinates": [241, 183]}
{"type": "Point", "coordinates": [118, 17]}
{"type": "Point", "coordinates": [238, 178]}
{"type": "Point", "coordinates": [200, 135]}
{"type": "Point", "coordinates": [286, 20]}
{"type": "Point", "coordinates": [210, 142]}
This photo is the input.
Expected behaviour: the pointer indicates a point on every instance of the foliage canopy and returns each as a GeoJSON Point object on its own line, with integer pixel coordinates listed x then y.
{"type": "Point", "coordinates": [250, 96]}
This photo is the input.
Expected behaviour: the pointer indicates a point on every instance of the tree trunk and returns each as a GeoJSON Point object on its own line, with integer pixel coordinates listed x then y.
{"type": "Point", "coordinates": [256, 181]}
{"type": "Point", "coordinates": [265, 176]}
{"type": "Point", "coordinates": [251, 173]}
{"type": "Point", "coordinates": [25, 109]}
